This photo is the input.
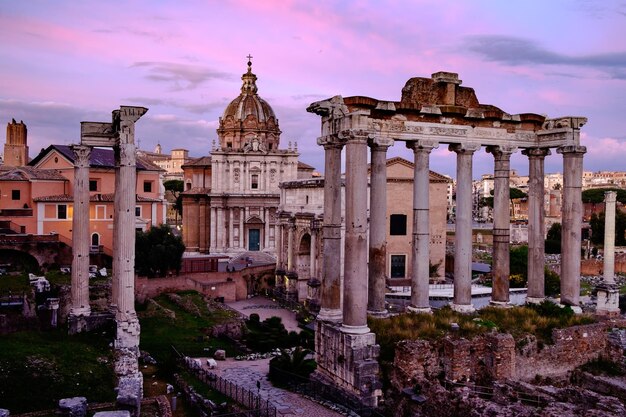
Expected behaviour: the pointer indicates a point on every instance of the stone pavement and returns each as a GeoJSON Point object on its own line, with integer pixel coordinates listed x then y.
{"type": "Point", "coordinates": [266, 308]}
{"type": "Point", "coordinates": [246, 374]}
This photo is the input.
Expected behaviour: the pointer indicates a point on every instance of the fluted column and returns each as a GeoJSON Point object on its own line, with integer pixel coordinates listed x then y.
{"type": "Point", "coordinates": [572, 212]}
{"type": "Point", "coordinates": [219, 229]}
{"type": "Point", "coordinates": [463, 228]}
{"type": "Point", "coordinates": [378, 227]}
{"type": "Point", "coordinates": [610, 198]}
{"type": "Point", "coordinates": [231, 228]}
{"type": "Point", "coordinates": [330, 310]}
{"type": "Point", "coordinates": [536, 224]}
{"type": "Point", "coordinates": [355, 259]}
{"type": "Point", "coordinates": [420, 249]}
{"type": "Point", "coordinates": [501, 223]}
{"type": "Point", "coordinates": [80, 233]}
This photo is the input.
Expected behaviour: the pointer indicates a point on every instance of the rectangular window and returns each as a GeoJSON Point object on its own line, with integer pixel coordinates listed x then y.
{"type": "Point", "coordinates": [398, 266]}
{"type": "Point", "coordinates": [100, 212]}
{"type": "Point", "coordinates": [397, 223]}
{"type": "Point", "coordinates": [147, 186]}
{"type": "Point", "coordinates": [15, 194]}
{"type": "Point", "coordinates": [137, 211]}
{"type": "Point", "coordinates": [255, 182]}
{"type": "Point", "coordinates": [61, 211]}
{"type": "Point", "coordinates": [93, 185]}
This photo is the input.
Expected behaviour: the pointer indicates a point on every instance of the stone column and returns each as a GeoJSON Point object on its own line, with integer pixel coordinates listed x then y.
{"type": "Point", "coordinates": [572, 213]}
{"type": "Point", "coordinates": [536, 224]}
{"type": "Point", "coordinates": [231, 228]}
{"type": "Point", "coordinates": [608, 291]}
{"type": "Point", "coordinates": [213, 228]}
{"type": "Point", "coordinates": [330, 310]}
{"type": "Point", "coordinates": [313, 252]}
{"type": "Point", "coordinates": [501, 223]}
{"type": "Point", "coordinates": [355, 258]}
{"type": "Point", "coordinates": [80, 233]}
{"type": "Point", "coordinates": [219, 229]}
{"type": "Point", "coordinates": [463, 228]}
{"type": "Point", "coordinates": [124, 228]}
{"type": "Point", "coordinates": [291, 227]}
{"type": "Point", "coordinates": [202, 229]}
{"type": "Point", "coordinates": [378, 227]}
{"type": "Point", "coordinates": [242, 215]}
{"type": "Point", "coordinates": [420, 250]}
{"type": "Point", "coordinates": [266, 229]}
{"type": "Point", "coordinates": [280, 256]}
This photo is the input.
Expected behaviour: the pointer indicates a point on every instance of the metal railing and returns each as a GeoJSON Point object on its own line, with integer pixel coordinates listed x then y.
{"type": "Point", "coordinates": [258, 407]}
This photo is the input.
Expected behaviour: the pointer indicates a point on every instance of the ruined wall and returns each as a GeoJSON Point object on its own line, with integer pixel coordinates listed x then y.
{"type": "Point", "coordinates": [495, 356]}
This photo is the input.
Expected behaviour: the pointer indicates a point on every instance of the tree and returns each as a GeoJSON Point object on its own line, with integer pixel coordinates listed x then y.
{"type": "Point", "coordinates": [596, 195]}
{"type": "Point", "coordinates": [518, 261]}
{"type": "Point", "coordinates": [597, 228]}
{"type": "Point", "coordinates": [176, 187]}
{"type": "Point", "coordinates": [515, 193]}
{"type": "Point", "coordinates": [158, 251]}
{"type": "Point", "coordinates": [553, 239]}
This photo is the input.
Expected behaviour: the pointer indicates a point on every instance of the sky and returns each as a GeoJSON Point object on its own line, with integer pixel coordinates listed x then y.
{"type": "Point", "coordinates": [63, 62]}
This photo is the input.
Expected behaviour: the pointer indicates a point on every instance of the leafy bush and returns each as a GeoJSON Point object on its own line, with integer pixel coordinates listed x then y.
{"type": "Point", "coordinates": [158, 251]}
{"type": "Point", "coordinates": [291, 367]}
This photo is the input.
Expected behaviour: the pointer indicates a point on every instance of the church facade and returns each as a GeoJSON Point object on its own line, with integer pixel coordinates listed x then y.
{"type": "Point", "coordinates": [231, 197]}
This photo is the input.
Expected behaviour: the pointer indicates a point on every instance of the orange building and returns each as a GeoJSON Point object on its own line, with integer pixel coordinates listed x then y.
{"type": "Point", "coordinates": [38, 199]}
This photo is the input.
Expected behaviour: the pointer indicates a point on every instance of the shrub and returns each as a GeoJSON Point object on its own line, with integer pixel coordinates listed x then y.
{"type": "Point", "coordinates": [291, 367]}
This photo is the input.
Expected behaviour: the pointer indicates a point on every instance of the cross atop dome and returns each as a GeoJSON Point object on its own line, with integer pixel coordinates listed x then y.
{"type": "Point", "coordinates": [249, 79]}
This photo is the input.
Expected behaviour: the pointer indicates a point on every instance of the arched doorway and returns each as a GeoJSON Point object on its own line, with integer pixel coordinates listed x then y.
{"type": "Point", "coordinates": [95, 243]}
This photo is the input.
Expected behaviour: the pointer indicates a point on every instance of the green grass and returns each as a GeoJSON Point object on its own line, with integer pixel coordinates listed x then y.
{"type": "Point", "coordinates": [14, 283]}
{"type": "Point", "coordinates": [186, 331]}
{"type": "Point", "coordinates": [39, 368]}
{"type": "Point", "coordinates": [518, 321]}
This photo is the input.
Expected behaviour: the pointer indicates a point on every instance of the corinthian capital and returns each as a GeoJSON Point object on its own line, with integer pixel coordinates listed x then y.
{"type": "Point", "coordinates": [81, 155]}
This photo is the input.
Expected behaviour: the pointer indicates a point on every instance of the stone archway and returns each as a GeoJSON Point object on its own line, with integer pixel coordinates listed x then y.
{"type": "Point", "coordinates": [303, 264]}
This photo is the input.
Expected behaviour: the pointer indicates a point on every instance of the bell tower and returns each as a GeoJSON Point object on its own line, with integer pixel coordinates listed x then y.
{"type": "Point", "coordinates": [16, 146]}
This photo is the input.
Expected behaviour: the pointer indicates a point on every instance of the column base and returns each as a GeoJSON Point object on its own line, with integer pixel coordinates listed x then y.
{"type": "Point", "coordinates": [345, 328]}
{"type": "Point", "coordinates": [501, 304]}
{"type": "Point", "coordinates": [575, 309]}
{"type": "Point", "coordinates": [382, 314]}
{"type": "Point", "coordinates": [128, 331]}
{"type": "Point", "coordinates": [348, 363]}
{"type": "Point", "coordinates": [607, 303]}
{"type": "Point", "coordinates": [535, 300]}
{"type": "Point", "coordinates": [80, 311]}
{"type": "Point", "coordinates": [419, 310]}
{"type": "Point", "coordinates": [330, 315]}
{"type": "Point", "coordinates": [462, 308]}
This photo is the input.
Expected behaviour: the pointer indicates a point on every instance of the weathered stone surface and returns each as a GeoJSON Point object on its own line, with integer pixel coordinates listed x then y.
{"type": "Point", "coordinates": [119, 413]}
{"type": "Point", "coordinates": [220, 355]}
{"type": "Point", "coordinates": [4, 412]}
{"type": "Point", "coordinates": [130, 393]}
{"type": "Point", "coordinates": [73, 407]}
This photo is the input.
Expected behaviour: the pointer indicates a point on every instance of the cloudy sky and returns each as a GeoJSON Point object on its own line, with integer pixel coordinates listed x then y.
{"type": "Point", "coordinates": [63, 62]}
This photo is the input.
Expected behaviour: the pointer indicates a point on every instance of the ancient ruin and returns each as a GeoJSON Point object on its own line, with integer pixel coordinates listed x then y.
{"type": "Point", "coordinates": [119, 135]}
{"type": "Point", "coordinates": [431, 112]}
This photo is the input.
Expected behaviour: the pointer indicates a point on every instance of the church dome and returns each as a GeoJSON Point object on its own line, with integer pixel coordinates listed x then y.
{"type": "Point", "coordinates": [248, 117]}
